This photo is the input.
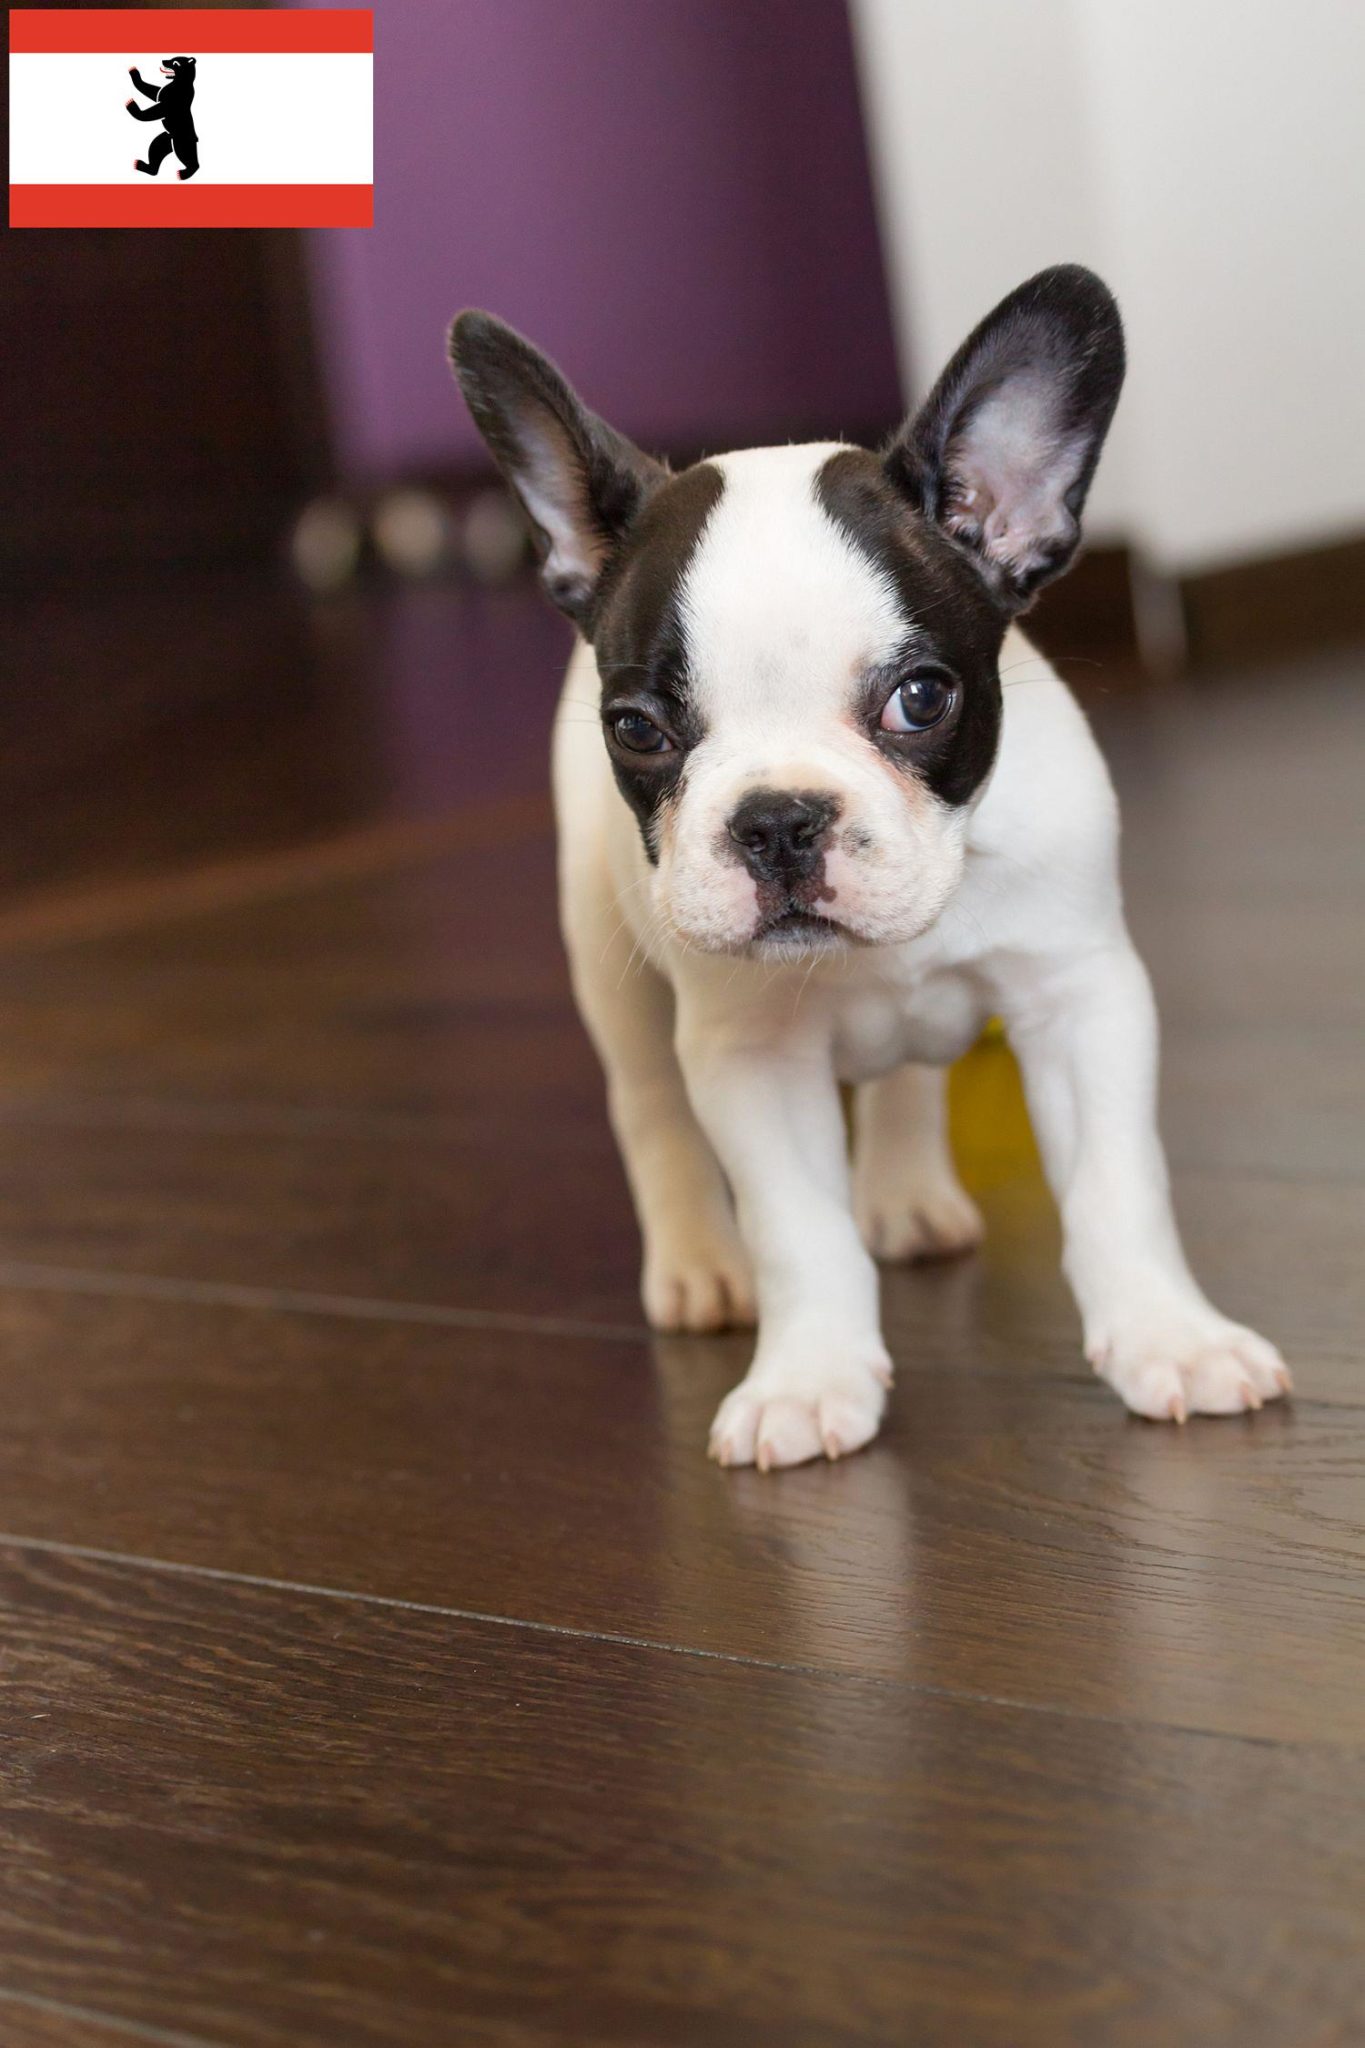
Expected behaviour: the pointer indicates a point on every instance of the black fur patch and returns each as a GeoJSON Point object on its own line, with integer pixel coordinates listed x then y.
{"type": "Point", "coordinates": [951, 622]}
{"type": "Point", "coordinates": [535, 423]}
{"type": "Point", "coordinates": [636, 630]}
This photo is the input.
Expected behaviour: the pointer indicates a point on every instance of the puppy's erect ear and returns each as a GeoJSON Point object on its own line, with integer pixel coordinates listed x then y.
{"type": "Point", "coordinates": [581, 484]}
{"type": "Point", "coordinates": [1003, 450]}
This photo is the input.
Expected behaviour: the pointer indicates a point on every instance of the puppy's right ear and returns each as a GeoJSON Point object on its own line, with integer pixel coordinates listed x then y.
{"type": "Point", "coordinates": [581, 484]}
{"type": "Point", "coordinates": [1001, 454]}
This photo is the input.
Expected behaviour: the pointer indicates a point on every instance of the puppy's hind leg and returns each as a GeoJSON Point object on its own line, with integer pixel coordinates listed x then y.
{"type": "Point", "coordinates": [906, 1194]}
{"type": "Point", "coordinates": [696, 1272]}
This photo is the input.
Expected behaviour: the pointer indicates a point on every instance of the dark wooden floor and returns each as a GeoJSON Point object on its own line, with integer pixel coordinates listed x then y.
{"type": "Point", "coordinates": [383, 1661]}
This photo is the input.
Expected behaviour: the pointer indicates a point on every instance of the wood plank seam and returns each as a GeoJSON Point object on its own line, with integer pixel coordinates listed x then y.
{"type": "Point", "coordinates": [113, 2023]}
{"type": "Point", "coordinates": [817, 1673]}
{"type": "Point", "coordinates": [72, 917]}
{"type": "Point", "coordinates": [19, 1277]}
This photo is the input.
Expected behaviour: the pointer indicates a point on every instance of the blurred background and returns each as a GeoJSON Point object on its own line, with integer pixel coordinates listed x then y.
{"type": "Point", "coordinates": [262, 585]}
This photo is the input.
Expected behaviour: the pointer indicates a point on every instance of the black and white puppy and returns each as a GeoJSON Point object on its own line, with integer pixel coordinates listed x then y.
{"type": "Point", "coordinates": [806, 839]}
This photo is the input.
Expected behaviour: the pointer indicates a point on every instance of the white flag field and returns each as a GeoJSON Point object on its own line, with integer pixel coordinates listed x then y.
{"type": "Point", "coordinates": [191, 117]}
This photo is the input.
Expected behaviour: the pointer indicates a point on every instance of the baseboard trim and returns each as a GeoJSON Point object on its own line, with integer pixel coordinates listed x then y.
{"type": "Point", "coordinates": [1312, 598]}
{"type": "Point", "coordinates": [1113, 607]}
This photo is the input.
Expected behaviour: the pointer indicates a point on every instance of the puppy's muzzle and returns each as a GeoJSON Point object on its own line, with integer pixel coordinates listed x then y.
{"type": "Point", "coordinates": [781, 834]}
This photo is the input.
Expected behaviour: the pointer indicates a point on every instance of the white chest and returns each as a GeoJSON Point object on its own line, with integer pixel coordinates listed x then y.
{"type": "Point", "coordinates": [932, 1019]}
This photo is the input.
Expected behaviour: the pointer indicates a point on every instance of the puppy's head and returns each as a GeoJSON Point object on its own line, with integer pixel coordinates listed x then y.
{"type": "Point", "coordinates": [798, 646]}
{"type": "Point", "coordinates": [179, 67]}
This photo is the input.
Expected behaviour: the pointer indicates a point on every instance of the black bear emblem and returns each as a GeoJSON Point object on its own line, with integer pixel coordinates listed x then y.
{"type": "Point", "coordinates": [171, 106]}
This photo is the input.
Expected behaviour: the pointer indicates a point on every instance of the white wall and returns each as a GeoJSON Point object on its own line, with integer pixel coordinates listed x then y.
{"type": "Point", "coordinates": [1208, 158]}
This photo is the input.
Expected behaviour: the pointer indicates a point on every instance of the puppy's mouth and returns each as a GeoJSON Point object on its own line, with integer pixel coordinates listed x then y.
{"type": "Point", "coordinates": [797, 930]}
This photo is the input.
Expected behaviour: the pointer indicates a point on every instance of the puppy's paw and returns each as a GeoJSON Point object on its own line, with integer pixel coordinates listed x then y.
{"type": "Point", "coordinates": [928, 1215]}
{"type": "Point", "coordinates": [1204, 1365]}
{"type": "Point", "coordinates": [697, 1280]}
{"type": "Point", "coordinates": [785, 1414]}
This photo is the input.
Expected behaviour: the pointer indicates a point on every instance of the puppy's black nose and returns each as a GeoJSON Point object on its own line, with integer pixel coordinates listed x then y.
{"type": "Point", "coordinates": [781, 832]}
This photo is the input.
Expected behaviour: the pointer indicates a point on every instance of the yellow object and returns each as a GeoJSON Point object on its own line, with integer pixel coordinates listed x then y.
{"type": "Point", "coordinates": [988, 1119]}
{"type": "Point", "coordinates": [987, 1115]}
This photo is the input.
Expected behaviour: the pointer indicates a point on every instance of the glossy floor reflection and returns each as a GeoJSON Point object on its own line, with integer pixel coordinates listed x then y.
{"type": "Point", "coordinates": [386, 1663]}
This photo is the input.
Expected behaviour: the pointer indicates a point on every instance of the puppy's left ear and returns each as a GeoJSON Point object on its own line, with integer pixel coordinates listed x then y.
{"type": "Point", "coordinates": [1003, 450]}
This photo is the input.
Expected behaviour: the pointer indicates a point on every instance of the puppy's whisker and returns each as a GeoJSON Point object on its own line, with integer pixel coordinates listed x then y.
{"type": "Point", "coordinates": [805, 980]}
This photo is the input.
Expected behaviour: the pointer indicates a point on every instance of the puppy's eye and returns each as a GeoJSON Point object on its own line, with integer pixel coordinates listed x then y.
{"type": "Point", "coordinates": [925, 700]}
{"type": "Point", "coordinates": [638, 734]}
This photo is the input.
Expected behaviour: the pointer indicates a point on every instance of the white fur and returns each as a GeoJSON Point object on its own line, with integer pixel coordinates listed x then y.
{"type": "Point", "coordinates": [723, 1067]}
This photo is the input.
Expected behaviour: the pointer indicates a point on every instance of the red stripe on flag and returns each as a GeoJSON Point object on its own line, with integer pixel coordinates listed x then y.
{"type": "Point", "coordinates": [191, 206]}
{"type": "Point", "coordinates": [127, 31]}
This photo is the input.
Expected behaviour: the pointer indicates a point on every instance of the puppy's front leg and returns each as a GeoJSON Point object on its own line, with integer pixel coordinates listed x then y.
{"type": "Point", "coordinates": [695, 1275]}
{"type": "Point", "coordinates": [1087, 1041]}
{"type": "Point", "coordinates": [819, 1376]}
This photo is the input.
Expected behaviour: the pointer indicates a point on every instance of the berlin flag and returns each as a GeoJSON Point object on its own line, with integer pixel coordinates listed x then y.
{"type": "Point", "coordinates": [194, 117]}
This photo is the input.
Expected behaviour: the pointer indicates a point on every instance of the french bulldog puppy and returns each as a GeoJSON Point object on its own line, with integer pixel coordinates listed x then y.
{"type": "Point", "coordinates": [807, 839]}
